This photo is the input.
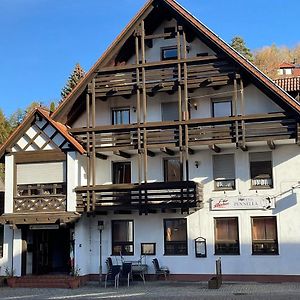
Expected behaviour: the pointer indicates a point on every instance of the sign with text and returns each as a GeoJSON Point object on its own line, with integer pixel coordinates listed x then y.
{"type": "Point", "coordinates": [43, 227]}
{"type": "Point", "coordinates": [242, 202]}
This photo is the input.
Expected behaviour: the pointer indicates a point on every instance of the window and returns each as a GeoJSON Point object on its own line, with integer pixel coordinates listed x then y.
{"type": "Point", "coordinates": [221, 108]}
{"type": "Point", "coordinates": [264, 235]}
{"type": "Point", "coordinates": [224, 172]}
{"type": "Point", "coordinates": [170, 30]}
{"type": "Point", "coordinates": [1, 240]}
{"type": "Point", "coordinates": [169, 53]}
{"type": "Point", "coordinates": [261, 170]}
{"type": "Point", "coordinates": [172, 169]}
{"type": "Point", "coordinates": [47, 178]}
{"type": "Point", "coordinates": [175, 234]}
{"type": "Point", "coordinates": [120, 116]}
{"type": "Point", "coordinates": [121, 172]}
{"type": "Point", "coordinates": [169, 111]}
{"type": "Point", "coordinates": [122, 237]}
{"type": "Point", "coordinates": [226, 236]}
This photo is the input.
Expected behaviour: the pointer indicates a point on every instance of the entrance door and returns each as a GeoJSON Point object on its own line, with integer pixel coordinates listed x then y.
{"type": "Point", "coordinates": [51, 251]}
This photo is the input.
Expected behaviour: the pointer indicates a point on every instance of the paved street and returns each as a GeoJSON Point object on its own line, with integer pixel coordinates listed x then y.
{"type": "Point", "coordinates": [160, 290]}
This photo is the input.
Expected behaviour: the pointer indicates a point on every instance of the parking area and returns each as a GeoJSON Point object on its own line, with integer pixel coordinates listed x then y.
{"type": "Point", "coordinates": [160, 290]}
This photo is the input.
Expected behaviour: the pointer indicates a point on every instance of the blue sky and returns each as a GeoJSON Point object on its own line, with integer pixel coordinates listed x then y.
{"type": "Point", "coordinates": [42, 40]}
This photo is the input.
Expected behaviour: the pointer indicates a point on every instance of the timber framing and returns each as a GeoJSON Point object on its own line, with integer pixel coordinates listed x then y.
{"type": "Point", "coordinates": [195, 27]}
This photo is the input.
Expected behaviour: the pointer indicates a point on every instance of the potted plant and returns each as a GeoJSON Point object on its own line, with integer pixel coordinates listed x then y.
{"type": "Point", "coordinates": [10, 277]}
{"type": "Point", "coordinates": [74, 281]}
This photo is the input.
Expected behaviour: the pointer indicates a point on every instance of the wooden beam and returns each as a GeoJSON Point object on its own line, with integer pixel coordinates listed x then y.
{"type": "Point", "coordinates": [150, 153]}
{"type": "Point", "coordinates": [271, 144]}
{"type": "Point", "coordinates": [215, 148]}
{"type": "Point", "coordinates": [101, 156]}
{"type": "Point", "coordinates": [122, 154]}
{"type": "Point", "coordinates": [167, 151]}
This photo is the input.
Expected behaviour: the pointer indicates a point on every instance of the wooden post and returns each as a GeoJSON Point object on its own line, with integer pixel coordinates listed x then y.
{"type": "Point", "coordinates": [88, 175]}
{"type": "Point", "coordinates": [186, 108]}
{"type": "Point", "coordinates": [93, 143]}
{"type": "Point", "coordinates": [235, 111]}
{"type": "Point", "coordinates": [243, 114]}
{"type": "Point", "coordinates": [144, 102]}
{"type": "Point", "coordinates": [138, 105]}
{"type": "Point", "coordinates": [180, 104]}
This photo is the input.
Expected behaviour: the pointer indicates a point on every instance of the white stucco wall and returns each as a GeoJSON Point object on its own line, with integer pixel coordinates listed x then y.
{"type": "Point", "coordinates": [149, 228]}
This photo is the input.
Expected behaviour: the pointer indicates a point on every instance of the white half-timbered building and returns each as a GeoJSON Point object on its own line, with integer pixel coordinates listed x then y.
{"type": "Point", "coordinates": [176, 146]}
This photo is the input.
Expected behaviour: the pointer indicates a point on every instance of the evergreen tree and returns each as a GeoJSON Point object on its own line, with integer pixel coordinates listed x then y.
{"type": "Point", "coordinates": [239, 45]}
{"type": "Point", "coordinates": [73, 80]}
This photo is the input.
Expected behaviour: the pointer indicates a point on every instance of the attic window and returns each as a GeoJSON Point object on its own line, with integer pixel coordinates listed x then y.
{"type": "Point", "coordinates": [170, 30]}
{"type": "Point", "coordinates": [169, 53]}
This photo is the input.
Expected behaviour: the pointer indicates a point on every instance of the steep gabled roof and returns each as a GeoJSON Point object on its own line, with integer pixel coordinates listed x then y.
{"type": "Point", "coordinates": [249, 68]}
{"type": "Point", "coordinates": [62, 129]}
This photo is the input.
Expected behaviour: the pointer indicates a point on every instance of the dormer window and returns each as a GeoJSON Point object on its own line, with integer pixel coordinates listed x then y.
{"type": "Point", "coordinates": [169, 53]}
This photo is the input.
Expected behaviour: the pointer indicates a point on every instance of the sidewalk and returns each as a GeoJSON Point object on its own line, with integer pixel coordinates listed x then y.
{"type": "Point", "coordinates": [161, 290]}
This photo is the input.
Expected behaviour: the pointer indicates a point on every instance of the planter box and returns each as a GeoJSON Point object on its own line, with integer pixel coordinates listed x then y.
{"type": "Point", "coordinates": [214, 283]}
{"type": "Point", "coordinates": [74, 282]}
{"type": "Point", "coordinates": [11, 281]}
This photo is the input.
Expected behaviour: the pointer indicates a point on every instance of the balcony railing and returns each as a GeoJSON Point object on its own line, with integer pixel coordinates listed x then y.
{"type": "Point", "coordinates": [50, 197]}
{"type": "Point", "coordinates": [144, 197]}
{"type": "Point", "coordinates": [239, 130]}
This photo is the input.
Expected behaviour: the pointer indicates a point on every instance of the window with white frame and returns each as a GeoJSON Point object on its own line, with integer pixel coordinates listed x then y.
{"type": "Point", "coordinates": [264, 235]}
{"type": "Point", "coordinates": [261, 170]}
{"type": "Point", "coordinates": [221, 108]}
{"type": "Point", "coordinates": [224, 172]}
{"type": "Point", "coordinates": [120, 116]}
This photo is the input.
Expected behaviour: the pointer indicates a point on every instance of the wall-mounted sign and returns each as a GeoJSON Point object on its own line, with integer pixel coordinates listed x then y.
{"type": "Point", "coordinates": [242, 202]}
{"type": "Point", "coordinates": [43, 227]}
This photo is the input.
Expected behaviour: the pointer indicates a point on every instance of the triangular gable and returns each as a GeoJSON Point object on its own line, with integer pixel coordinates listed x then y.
{"type": "Point", "coordinates": [39, 132]}
{"type": "Point", "coordinates": [260, 79]}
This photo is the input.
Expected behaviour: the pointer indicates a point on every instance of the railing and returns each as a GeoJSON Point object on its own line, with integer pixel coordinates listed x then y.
{"type": "Point", "coordinates": [144, 197]}
{"type": "Point", "coordinates": [43, 197]}
{"type": "Point", "coordinates": [40, 203]}
{"type": "Point", "coordinates": [239, 129]}
{"type": "Point", "coordinates": [208, 70]}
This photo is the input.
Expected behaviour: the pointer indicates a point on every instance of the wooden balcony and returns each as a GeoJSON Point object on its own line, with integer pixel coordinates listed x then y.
{"type": "Point", "coordinates": [239, 130]}
{"type": "Point", "coordinates": [206, 71]}
{"type": "Point", "coordinates": [145, 198]}
{"type": "Point", "coordinates": [40, 198]}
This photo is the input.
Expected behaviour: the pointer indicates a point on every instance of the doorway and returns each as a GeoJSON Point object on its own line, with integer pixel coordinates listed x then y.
{"type": "Point", "coordinates": [51, 251]}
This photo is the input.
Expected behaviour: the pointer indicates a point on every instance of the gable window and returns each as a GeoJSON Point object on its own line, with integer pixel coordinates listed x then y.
{"type": "Point", "coordinates": [120, 116]}
{"type": "Point", "coordinates": [221, 108]}
{"type": "Point", "coordinates": [172, 169]}
{"type": "Point", "coordinates": [226, 236]}
{"type": "Point", "coordinates": [122, 237]}
{"type": "Point", "coordinates": [169, 111]}
{"type": "Point", "coordinates": [48, 178]}
{"type": "Point", "coordinates": [121, 172]}
{"type": "Point", "coordinates": [224, 172]}
{"type": "Point", "coordinates": [261, 170]}
{"type": "Point", "coordinates": [264, 235]}
{"type": "Point", "coordinates": [1, 239]}
{"type": "Point", "coordinates": [169, 53]}
{"type": "Point", "coordinates": [175, 236]}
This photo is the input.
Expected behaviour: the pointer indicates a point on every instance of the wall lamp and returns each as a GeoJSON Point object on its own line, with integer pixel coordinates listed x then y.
{"type": "Point", "coordinates": [197, 164]}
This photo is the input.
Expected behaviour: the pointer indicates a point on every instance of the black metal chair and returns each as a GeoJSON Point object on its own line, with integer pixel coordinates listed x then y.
{"type": "Point", "coordinates": [112, 272]}
{"type": "Point", "coordinates": [125, 274]}
{"type": "Point", "coordinates": [160, 270]}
